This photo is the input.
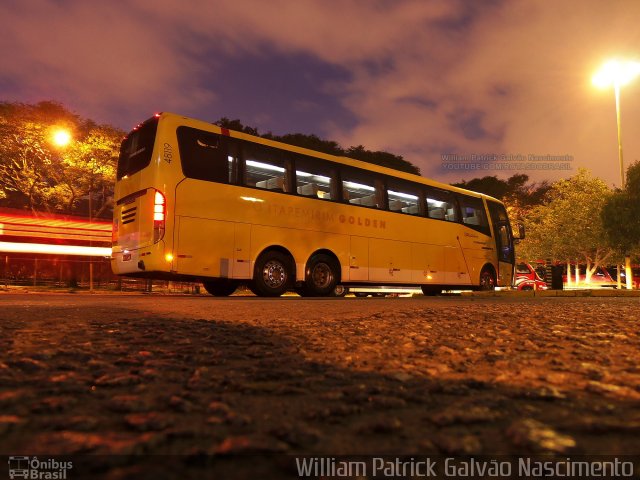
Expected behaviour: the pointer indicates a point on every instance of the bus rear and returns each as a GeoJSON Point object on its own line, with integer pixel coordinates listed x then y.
{"type": "Point", "coordinates": [140, 210]}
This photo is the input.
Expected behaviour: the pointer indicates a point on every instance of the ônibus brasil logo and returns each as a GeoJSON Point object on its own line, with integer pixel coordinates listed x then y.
{"type": "Point", "coordinates": [32, 468]}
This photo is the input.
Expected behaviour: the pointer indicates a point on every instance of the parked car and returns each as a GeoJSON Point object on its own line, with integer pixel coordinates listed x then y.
{"type": "Point", "coordinates": [526, 270]}
{"type": "Point", "coordinates": [528, 278]}
{"type": "Point", "coordinates": [524, 283]}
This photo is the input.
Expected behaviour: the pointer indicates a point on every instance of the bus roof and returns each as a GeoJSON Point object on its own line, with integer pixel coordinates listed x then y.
{"type": "Point", "coordinates": [326, 156]}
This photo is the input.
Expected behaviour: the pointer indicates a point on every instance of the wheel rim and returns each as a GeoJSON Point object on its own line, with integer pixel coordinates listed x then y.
{"type": "Point", "coordinates": [486, 281]}
{"type": "Point", "coordinates": [274, 274]}
{"type": "Point", "coordinates": [322, 275]}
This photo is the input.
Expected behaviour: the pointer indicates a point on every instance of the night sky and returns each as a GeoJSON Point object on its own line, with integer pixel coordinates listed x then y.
{"type": "Point", "coordinates": [416, 78]}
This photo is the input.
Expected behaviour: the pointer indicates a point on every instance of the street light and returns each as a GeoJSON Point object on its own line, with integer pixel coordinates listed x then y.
{"type": "Point", "coordinates": [61, 137]}
{"type": "Point", "coordinates": [618, 73]}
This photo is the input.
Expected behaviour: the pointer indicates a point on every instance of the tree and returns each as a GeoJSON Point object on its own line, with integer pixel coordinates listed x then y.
{"type": "Point", "coordinates": [568, 226]}
{"type": "Point", "coordinates": [516, 192]}
{"type": "Point", "coordinates": [236, 125]}
{"type": "Point", "coordinates": [38, 176]}
{"type": "Point", "coordinates": [29, 166]}
{"type": "Point", "coordinates": [621, 218]}
{"type": "Point", "coordinates": [89, 172]}
{"type": "Point", "coordinates": [313, 142]}
{"type": "Point", "coordinates": [381, 158]}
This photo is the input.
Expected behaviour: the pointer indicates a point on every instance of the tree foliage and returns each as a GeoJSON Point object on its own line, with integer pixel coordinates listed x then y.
{"type": "Point", "coordinates": [568, 225]}
{"type": "Point", "coordinates": [313, 142]}
{"type": "Point", "coordinates": [41, 177]}
{"type": "Point", "coordinates": [621, 215]}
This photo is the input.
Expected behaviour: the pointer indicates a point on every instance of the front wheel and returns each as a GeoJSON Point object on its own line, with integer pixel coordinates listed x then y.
{"type": "Point", "coordinates": [322, 274]}
{"type": "Point", "coordinates": [487, 280]}
{"type": "Point", "coordinates": [219, 287]}
{"type": "Point", "coordinates": [272, 275]}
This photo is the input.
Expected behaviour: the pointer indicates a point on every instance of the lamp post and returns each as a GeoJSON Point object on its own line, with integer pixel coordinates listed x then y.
{"type": "Point", "coordinates": [618, 73]}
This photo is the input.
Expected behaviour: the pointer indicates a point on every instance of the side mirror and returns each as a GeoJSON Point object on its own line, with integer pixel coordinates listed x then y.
{"type": "Point", "coordinates": [518, 233]}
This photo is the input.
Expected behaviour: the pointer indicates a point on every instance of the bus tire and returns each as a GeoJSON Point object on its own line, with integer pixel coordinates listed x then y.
{"type": "Point", "coordinates": [487, 279]}
{"type": "Point", "coordinates": [321, 276]}
{"type": "Point", "coordinates": [272, 275]}
{"type": "Point", "coordinates": [219, 287]}
{"type": "Point", "coordinates": [430, 291]}
{"type": "Point", "coordinates": [340, 291]}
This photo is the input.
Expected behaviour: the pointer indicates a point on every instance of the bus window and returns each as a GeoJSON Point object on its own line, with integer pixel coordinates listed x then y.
{"type": "Point", "coordinates": [403, 198]}
{"type": "Point", "coordinates": [440, 205]}
{"type": "Point", "coordinates": [314, 178]}
{"type": "Point", "coordinates": [137, 148]}
{"type": "Point", "coordinates": [204, 156]}
{"type": "Point", "coordinates": [473, 214]}
{"type": "Point", "coordinates": [265, 167]}
{"type": "Point", "coordinates": [359, 188]}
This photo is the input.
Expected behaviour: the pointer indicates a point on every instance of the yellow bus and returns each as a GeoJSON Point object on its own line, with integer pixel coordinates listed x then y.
{"type": "Point", "coordinates": [194, 201]}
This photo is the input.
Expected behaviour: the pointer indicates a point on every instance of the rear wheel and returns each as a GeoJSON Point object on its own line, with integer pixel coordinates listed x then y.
{"type": "Point", "coordinates": [430, 291]}
{"type": "Point", "coordinates": [272, 275]}
{"type": "Point", "coordinates": [220, 287]}
{"type": "Point", "coordinates": [487, 279]}
{"type": "Point", "coordinates": [322, 275]}
{"type": "Point", "coordinates": [340, 291]}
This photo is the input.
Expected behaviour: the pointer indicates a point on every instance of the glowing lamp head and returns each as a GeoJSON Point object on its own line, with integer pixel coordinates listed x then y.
{"type": "Point", "coordinates": [616, 72]}
{"type": "Point", "coordinates": [61, 138]}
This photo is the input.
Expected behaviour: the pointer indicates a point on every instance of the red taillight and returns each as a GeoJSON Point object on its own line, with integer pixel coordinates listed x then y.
{"type": "Point", "coordinates": [159, 215]}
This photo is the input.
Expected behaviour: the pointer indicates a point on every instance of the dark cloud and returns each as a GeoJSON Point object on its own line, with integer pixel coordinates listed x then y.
{"type": "Point", "coordinates": [413, 77]}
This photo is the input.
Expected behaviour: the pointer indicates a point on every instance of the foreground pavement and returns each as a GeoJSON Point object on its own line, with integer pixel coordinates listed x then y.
{"type": "Point", "coordinates": [178, 387]}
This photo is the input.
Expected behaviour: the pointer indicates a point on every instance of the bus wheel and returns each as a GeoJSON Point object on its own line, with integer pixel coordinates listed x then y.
{"type": "Point", "coordinates": [340, 291]}
{"type": "Point", "coordinates": [219, 287]}
{"type": "Point", "coordinates": [272, 275]}
{"type": "Point", "coordinates": [430, 291]}
{"type": "Point", "coordinates": [487, 280]}
{"type": "Point", "coordinates": [321, 276]}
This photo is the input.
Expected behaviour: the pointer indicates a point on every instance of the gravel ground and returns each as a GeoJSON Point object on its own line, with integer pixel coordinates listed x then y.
{"type": "Point", "coordinates": [179, 386]}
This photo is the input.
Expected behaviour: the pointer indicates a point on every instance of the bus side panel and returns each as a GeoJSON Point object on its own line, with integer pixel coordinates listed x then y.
{"type": "Point", "coordinates": [389, 261]}
{"type": "Point", "coordinates": [455, 266]}
{"type": "Point", "coordinates": [428, 264]}
{"type": "Point", "coordinates": [479, 250]}
{"type": "Point", "coordinates": [359, 259]}
{"type": "Point", "coordinates": [204, 247]}
{"type": "Point", "coordinates": [242, 251]}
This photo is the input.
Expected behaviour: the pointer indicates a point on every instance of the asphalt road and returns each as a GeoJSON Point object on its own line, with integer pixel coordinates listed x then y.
{"type": "Point", "coordinates": [239, 386]}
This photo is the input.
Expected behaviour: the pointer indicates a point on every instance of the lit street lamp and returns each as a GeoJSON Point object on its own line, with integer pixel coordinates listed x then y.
{"type": "Point", "coordinates": [61, 138]}
{"type": "Point", "coordinates": [618, 73]}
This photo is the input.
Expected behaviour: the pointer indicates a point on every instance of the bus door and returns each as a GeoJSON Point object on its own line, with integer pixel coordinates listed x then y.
{"type": "Point", "coordinates": [504, 242]}
{"type": "Point", "coordinates": [478, 246]}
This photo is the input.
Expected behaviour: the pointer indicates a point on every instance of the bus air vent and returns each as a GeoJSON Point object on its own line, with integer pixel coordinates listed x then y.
{"type": "Point", "coordinates": [128, 215]}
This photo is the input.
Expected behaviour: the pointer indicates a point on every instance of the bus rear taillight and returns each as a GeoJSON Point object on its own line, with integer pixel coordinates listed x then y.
{"type": "Point", "coordinates": [159, 216]}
